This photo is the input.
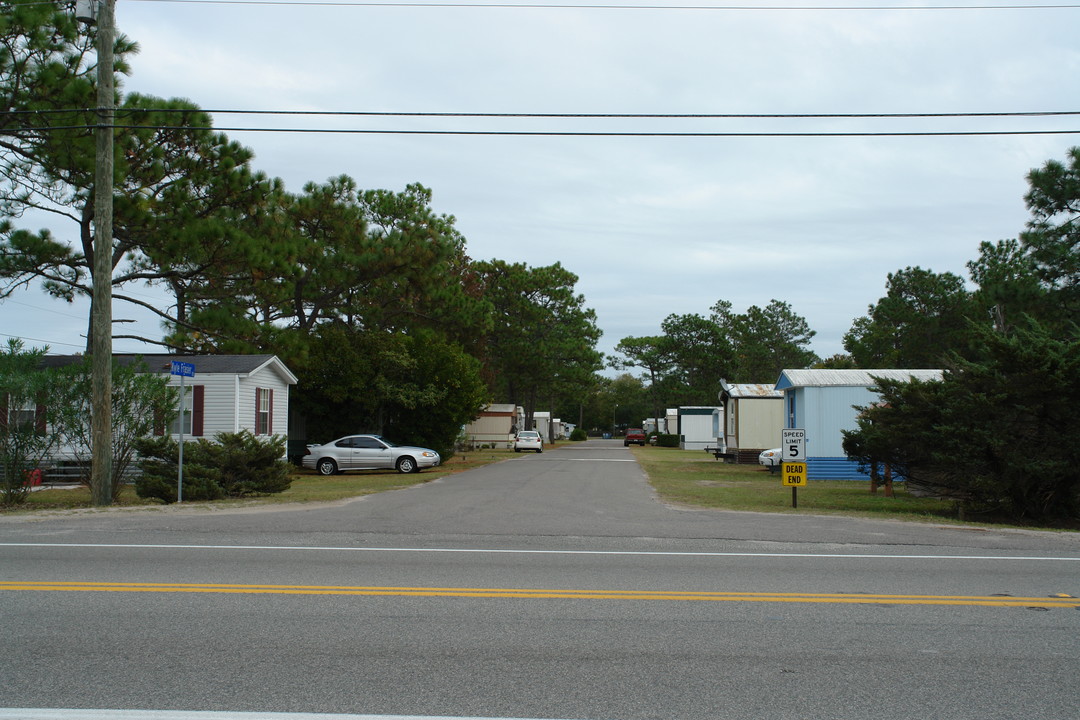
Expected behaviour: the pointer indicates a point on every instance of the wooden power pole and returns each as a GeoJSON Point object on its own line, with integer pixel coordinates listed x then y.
{"type": "Point", "coordinates": [101, 317]}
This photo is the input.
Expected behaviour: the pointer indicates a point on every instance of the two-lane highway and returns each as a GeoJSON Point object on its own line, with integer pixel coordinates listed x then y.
{"type": "Point", "coordinates": [547, 586]}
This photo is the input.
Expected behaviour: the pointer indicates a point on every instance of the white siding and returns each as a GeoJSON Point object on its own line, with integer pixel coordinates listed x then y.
{"type": "Point", "coordinates": [217, 401]}
{"type": "Point", "coordinates": [697, 427]}
{"type": "Point", "coordinates": [229, 401]}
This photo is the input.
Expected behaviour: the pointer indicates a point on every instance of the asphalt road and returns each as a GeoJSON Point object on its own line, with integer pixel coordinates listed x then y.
{"type": "Point", "coordinates": [547, 586]}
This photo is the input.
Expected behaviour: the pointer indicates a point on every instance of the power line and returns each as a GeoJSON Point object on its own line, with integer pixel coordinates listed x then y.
{"type": "Point", "coordinates": [566, 133]}
{"type": "Point", "coordinates": [48, 342]}
{"type": "Point", "coordinates": [601, 6]}
{"type": "Point", "coordinates": [601, 116]}
{"type": "Point", "coordinates": [5, 301]}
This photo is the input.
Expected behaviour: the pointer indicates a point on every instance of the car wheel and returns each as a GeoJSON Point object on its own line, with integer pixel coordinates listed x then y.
{"type": "Point", "coordinates": [327, 466]}
{"type": "Point", "coordinates": [626, 444]}
{"type": "Point", "coordinates": [517, 449]}
{"type": "Point", "coordinates": [539, 450]}
{"type": "Point", "coordinates": [407, 465]}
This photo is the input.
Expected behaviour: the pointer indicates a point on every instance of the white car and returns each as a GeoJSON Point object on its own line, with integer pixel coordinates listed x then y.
{"type": "Point", "coordinates": [367, 452]}
{"type": "Point", "coordinates": [770, 458]}
{"type": "Point", "coordinates": [528, 440]}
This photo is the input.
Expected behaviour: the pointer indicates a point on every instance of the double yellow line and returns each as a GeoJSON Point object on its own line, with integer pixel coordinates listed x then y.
{"type": "Point", "coordinates": [1055, 601]}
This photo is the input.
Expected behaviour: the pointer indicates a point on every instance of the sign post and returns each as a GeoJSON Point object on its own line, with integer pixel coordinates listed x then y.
{"type": "Point", "coordinates": [793, 461]}
{"type": "Point", "coordinates": [184, 370]}
{"type": "Point", "coordinates": [794, 474]}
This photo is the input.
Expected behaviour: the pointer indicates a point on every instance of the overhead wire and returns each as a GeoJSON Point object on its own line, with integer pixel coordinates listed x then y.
{"type": "Point", "coordinates": [121, 113]}
{"type": "Point", "coordinates": [620, 6]}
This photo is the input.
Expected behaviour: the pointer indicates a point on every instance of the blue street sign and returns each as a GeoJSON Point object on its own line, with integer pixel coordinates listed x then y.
{"type": "Point", "coordinates": [183, 369]}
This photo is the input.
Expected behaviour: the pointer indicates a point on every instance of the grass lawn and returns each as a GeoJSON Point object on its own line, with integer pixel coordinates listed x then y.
{"type": "Point", "coordinates": [306, 486]}
{"type": "Point", "coordinates": [693, 477]}
{"type": "Point", "coordinates": [688, 477]}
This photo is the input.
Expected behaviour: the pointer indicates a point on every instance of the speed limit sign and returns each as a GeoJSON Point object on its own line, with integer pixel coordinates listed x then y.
{"type": "Point", "coordinates": [793, 445]}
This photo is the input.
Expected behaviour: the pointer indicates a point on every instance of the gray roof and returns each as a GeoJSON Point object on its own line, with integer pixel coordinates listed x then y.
{"type": "Point", "coordinates": [204, 364]}
{"type": "Point", "coordinates": [850, 378]}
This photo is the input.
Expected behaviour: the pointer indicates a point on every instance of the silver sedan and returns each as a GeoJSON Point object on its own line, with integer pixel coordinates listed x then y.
{"type": "Point", "coordinates": [367, 452]}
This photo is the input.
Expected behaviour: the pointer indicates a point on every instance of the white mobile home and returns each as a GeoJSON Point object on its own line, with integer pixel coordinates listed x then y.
{"type": "Point", "coordinates": [699, 427]}
{"type": "Point", "coordinates": [228, 393]}
{"type": "Point", "coordinates": [549, 429]}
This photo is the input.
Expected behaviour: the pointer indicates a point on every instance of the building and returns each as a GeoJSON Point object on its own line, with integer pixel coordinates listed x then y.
{"type": "Point", "coordinates": [228, 393]}
{"type": "Point", "coordinates": [754, 416]}
{"type": "Point", "coordinates": [823, 402]}
{"type": "Point", "coordinates": [496, 425]}
{"type": "Point", "coordinates": [699, 427]}
{"type": "Point", "coordinates": [549, 429]}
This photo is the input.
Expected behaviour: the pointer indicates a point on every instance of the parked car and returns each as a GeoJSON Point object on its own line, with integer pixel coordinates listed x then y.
{"type": "Point", "coordinates": [367, 452]}
{"type": "Point", "coordinates": [634, 435]}
{"type": "Point", "coordinates": [770, 458]}
{"type": "Point", "coordinates": [528, 440]}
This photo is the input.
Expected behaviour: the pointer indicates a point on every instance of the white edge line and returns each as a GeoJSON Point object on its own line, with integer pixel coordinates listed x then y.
{"type": "Point", "coordinates": [96, 714]}
{"type": "Point", "coordinates": [481, 551]}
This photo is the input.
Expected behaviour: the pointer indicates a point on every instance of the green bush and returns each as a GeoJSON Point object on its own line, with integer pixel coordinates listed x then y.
{"type": "Point", "coordinates": [249, 465]}
{"type": "Point", "coordinates": [578, 435]}
{"type": "Point", "coordinates": [234, 465]}
{"type": "Point", "coordinates": [667, 441]}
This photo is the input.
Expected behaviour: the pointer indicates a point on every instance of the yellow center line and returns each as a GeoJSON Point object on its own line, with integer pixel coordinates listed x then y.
{"type": "Point", "coordinates": [1064, 601]}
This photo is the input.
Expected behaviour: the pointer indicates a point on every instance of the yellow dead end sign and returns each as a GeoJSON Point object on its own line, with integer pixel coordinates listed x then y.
{"type": "Point", "coordinates": [793, 474]}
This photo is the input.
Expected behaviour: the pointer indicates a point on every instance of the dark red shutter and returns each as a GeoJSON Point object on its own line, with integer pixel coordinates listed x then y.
{"type": "Point", "coordinates": [3, 411]}
{"type": "Point", "coordinates": [198, 397]}
{"type": "Point", "coordinates": [39, 419]}
{"type": "Point", "coordinates": [270, 413]}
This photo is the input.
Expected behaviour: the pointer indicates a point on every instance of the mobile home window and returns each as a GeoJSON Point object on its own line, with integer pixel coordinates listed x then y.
{"type": "Point", "coordinates": [263, 407]}
{"type": "Point", "coordinates": [24, 417]}
{"type": "Point", "coordinates": [184, 414]}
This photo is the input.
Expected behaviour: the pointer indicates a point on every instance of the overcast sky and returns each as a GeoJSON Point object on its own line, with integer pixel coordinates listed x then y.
{"type": "Point", "coordinates": [652, 225]}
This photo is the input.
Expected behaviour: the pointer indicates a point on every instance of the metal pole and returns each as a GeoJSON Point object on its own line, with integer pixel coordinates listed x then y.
{"type": "Point", "coordinates": [180, 462]}
{"type": "Point", "coordinates": [101, 316]}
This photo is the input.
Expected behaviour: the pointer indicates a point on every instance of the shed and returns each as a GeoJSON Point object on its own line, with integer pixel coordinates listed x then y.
{"type": "Point", "coordinates": [699, 427]}
{"type": "Point", "coordinates": [754, 417]}
{"type": "Point", "coordinates": [823, 402]}
{"type": "Point", "coordinates": [549, 429]}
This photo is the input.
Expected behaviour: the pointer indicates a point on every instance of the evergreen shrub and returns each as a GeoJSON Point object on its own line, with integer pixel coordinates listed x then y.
{"type": "Point", "coordinates": [234, 465]}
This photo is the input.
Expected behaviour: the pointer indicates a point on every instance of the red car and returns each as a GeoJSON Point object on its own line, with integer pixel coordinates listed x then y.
{"type": "Point", "coordinates": [634, 435]}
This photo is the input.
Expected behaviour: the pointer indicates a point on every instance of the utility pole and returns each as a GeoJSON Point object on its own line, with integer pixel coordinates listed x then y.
{"type": "Point", "coordinates": [101, 317]}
